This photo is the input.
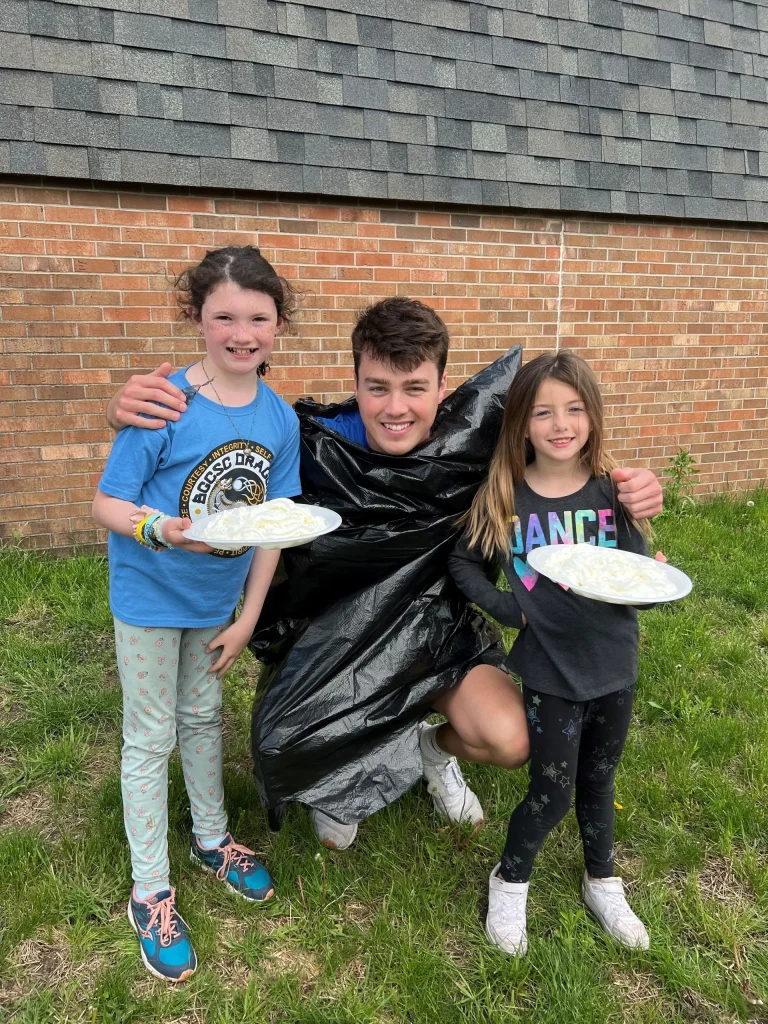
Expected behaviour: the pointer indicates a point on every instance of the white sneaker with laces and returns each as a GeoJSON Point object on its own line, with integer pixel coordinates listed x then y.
{"type": "Point", "coordinates": [505, 924]}
{"type": "Point", "coordinates": [450, 794]}
{"type": "Point", "coordinates": [605, 898]}
{"type": "Point", "coordinates": [331, 833]}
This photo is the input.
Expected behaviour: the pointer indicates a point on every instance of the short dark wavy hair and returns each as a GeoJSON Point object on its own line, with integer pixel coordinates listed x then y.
{"type": "Point", "coordinates": [402, 333]}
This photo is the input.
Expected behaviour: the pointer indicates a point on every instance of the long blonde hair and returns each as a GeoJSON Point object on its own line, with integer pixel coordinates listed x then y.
{"type": "Point", "coordinates": [487, 524]}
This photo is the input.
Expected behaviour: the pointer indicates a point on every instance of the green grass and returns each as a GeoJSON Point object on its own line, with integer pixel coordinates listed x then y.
{"type": "Point", "coordinates": [391, 931]}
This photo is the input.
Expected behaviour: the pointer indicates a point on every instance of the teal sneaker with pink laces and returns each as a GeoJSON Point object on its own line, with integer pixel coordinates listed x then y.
{"type": "Point", "coordinates": [163, 939]}
{"type": "Point", "coordinates": [237, 867]}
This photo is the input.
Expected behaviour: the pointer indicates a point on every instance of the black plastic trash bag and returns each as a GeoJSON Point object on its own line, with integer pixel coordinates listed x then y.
{"type": "Point", "coordinates": [368, 628]}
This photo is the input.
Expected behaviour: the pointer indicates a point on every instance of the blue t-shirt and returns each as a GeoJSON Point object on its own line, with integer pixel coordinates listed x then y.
{"type": "Point", "coordinates": [348, 424]}
{"type": "Point", "coordinates": [195, 467]}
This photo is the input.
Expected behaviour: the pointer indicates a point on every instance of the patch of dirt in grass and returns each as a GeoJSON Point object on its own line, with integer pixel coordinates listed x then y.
{"type": "Point", "coordinates": [231, 971]}
{"type": "Point", "coordinates": [32, 810]}
{"type": "Point", "coordinates": [642, 992]}
{"type": "Point", "coordinates": [7, 762]}
{"type": "Point", "coordinates": [13, 712]}
{"type": "Point", "coordinates": [39, 964]}
{"type": "Point", "coordinates": [271, 924]}
{"type": "Point", "coordinates": [291, 960]}
{"type": "Point", "coordinates": [103, 760]}
{"type": "Point", "coordinates": [190, 1017]}
{"type": "Point", "coordinates": [227, 964]}
{"type": "Point", "coordinates": [352, 975]}
{"type": "Point", "coordinates": [68, 811]}
{"type": "Point", "coordinates": [639, 989]}
{"type": "Point", "coordinates": [30, 616]}
{"type": "Point", "coordinates": [356, 970]}
{"type": "Point", "coordinates": [10, 991]}
{"type": "Point", "coordinates": [631, 865]}
{"type": "Point", "coordinates": [456, 948]}
{"type": "Point", "coordinates": [145, 987]}
{"type": "Point", "coordinates": [359, 913]}
{"type": "Point", "coordinates": [718, 881]}
{"type": "Point", "coordinates": [231, 930]}
{"type": "Point", "coordinates": [704, 1011]}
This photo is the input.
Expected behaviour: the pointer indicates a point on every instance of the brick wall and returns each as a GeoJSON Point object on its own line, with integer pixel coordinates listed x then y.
{"type": "Point", "coordinates": [670, 314]}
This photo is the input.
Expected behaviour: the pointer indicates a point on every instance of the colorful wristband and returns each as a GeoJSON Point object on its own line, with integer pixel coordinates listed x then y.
{"type": "Point", "coordinates": [141, 531]}
{"type": "Point", "coordinates": [154, 531]}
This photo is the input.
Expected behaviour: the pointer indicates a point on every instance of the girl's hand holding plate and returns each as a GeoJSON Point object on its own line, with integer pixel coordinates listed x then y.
{"type": "Point", "coordinates": [173, 531]}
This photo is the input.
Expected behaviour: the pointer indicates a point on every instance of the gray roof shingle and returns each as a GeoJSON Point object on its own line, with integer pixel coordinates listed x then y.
{"type": "Point", "coordinates": [595, 105]}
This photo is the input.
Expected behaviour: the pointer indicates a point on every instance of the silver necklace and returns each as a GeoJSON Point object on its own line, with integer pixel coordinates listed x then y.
{"type": "Point", "coordinates": [209, 381]}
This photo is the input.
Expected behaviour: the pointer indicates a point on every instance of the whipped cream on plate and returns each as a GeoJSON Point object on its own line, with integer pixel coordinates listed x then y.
{"type": "Point", "coordinates": [272, 520]}
{"type": "Point", "coordinates": [610, 571]}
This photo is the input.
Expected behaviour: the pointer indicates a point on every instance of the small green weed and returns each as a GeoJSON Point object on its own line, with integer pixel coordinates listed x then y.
{"type": "Point", "coordinates": [681, 479]}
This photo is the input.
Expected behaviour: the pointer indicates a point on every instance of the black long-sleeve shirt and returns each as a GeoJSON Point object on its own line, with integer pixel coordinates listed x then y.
{"type": "Point", "coordinates": [572, 647]}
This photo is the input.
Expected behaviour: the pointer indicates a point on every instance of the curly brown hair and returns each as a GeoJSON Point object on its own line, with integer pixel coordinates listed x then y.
{"type": "Point", "coordinates": [243, 265]}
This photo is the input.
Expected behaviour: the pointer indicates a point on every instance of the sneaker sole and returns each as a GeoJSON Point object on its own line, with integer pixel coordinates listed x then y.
{"type": "Point", "coordinates": [148, 965]}
{"type": "Point", "coordinates": [209, 870]}
{"type": "Point", "coordinates": [601, 921]}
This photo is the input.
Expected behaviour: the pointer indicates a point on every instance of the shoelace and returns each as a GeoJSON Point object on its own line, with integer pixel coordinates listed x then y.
{"type": "Point", "coordinates": [234, 854]}
{"type": "Point", "coordinates": [451, 777]}
{"type": "Point", "coordinates": [512, 905]}
{"type": "Point", "coordinates": [169, 930]}
{"type": "Point", "coordinates": [619, 905]}
{"type": "Point", "coordinates": [621, 908]}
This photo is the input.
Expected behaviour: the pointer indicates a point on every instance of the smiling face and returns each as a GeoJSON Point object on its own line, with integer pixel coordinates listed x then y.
{"type": "Point", "coordinates": [239, 326]}
{"type": "Point", "coordinates": [398, 407]}
{"type": "Point", "coordinates": [558, 427]}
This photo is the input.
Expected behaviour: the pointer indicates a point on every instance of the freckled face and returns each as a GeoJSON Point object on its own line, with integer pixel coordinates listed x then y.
{"type": "Point", "coordinates": [397, 407]}
{"type": "Point", "coordinates": [239, 326]}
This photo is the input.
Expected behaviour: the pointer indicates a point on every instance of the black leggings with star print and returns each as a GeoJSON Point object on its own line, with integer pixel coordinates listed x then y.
{"type": "Point", "coordinates": [574, 746]}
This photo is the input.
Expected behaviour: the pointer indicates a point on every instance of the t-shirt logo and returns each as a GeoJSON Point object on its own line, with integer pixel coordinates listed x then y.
{"type": "Point", "coordinates": [233, 475]}
{"type": "Point", "coordinates": [574, 527]}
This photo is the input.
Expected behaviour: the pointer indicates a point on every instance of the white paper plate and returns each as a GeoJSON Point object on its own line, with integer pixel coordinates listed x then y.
{"type": "Point", "coordinates": [195, 532]}
{"type": "Point", "coordinates": [540, 559]}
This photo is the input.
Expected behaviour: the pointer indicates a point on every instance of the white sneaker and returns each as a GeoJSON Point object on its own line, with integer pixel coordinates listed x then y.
{"type": "Point", "coordinates": [505, 923]}
{"type": "Point", "coordinates": [331, 833]}
{"type": "Point", "coordinates": [450, 794]}
{"type": "Point", "coordinates": [605, 898]}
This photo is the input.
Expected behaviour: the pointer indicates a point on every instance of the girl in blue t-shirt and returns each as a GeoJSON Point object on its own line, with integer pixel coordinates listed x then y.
{"type": "Point", "coordinates": [173, 599]}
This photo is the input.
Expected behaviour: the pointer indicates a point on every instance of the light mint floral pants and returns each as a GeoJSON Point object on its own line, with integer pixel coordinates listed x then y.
{"type": "Point", "coordinates": [167, 691]}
